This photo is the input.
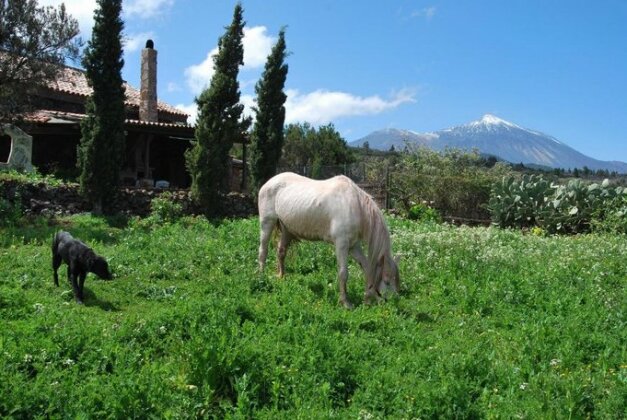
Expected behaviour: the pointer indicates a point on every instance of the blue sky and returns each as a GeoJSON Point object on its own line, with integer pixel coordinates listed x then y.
{"type": "Point", "coordinates": [554, 66]}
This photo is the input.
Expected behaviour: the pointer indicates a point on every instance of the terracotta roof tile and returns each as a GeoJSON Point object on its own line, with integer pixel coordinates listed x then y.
{"type": "Point", "coordinates": [74, 82]}
{"type": "Point", "coordinates": [47, 115]}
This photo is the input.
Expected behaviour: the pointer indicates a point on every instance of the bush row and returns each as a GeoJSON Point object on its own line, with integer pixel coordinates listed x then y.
{"type": "Point", "coordinates": [575, 207]}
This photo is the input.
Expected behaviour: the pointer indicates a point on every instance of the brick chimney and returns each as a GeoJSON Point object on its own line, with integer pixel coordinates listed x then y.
{"type": "Point", "coordinates": [148, 89]}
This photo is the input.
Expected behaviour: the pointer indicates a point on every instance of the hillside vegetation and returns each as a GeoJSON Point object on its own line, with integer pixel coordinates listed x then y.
{"type": "Point", "coordinates": [490, 323]}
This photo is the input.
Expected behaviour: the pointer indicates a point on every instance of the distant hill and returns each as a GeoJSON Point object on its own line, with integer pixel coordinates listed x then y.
{"type": "Point", "coordinates": [494, 136]}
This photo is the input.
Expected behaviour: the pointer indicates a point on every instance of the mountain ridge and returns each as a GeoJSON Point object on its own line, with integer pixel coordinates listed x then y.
{"type": "Point", "coordinates": [492, 135]}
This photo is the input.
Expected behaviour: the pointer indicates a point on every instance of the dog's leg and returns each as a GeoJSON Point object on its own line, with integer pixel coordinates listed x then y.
{"type": "Point", "coordinates": [56, 263]}
{"type": "Point", "coordinates": [81, 284]}
{"type": "Point", "coordinates": [74, 280]}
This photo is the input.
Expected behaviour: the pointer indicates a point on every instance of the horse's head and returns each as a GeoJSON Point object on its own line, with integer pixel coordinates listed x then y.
{"type": "Point", "coordinates": [387, 275]}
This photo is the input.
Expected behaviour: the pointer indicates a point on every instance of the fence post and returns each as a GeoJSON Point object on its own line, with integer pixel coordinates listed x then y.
{"type": "Point", "coordinates": [387, 187]}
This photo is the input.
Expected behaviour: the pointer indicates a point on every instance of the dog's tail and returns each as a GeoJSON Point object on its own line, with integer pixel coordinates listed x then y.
{"type": "Point", "coordinates": [55, 241]}
{"type": "Point", "coordinates": [56, 258]}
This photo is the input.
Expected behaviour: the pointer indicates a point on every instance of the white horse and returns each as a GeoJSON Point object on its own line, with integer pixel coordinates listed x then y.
{"type": "Point", "coordinates": [337, 211]}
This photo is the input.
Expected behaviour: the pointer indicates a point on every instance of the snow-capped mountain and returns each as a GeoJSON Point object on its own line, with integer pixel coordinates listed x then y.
{"type": "Point", "coordinates": [494, 136]}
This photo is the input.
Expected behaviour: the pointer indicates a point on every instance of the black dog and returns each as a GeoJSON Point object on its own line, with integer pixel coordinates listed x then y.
{"type": "Point", "coordinates": [80, 260]}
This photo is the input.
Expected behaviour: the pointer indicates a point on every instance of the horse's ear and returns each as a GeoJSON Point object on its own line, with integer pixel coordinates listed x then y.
{"type": "Point", "coordinates": [381, 261]}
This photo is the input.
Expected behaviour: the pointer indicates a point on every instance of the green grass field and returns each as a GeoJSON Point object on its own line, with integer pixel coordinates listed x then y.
{"type": "Point", "coordinates": [489, 324]}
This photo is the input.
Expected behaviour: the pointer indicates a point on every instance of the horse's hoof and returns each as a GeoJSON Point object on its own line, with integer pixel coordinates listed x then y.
{"type": "Point", "coordinates": [347, 305]}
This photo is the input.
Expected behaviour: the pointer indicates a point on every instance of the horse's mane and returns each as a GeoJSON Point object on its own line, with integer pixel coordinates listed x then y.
{"type": "Point", "coordinates": [374, 230]}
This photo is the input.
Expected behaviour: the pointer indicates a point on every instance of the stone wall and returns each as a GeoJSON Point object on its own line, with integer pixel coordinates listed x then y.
{"type": "Point", "coordinates": [42, 199]}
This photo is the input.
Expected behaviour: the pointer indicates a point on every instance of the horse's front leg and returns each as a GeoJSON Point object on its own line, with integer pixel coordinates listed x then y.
{"type": "Point", "coordinates": [370, 292]}
{"type": "Point", "coordinates": [341, 253]}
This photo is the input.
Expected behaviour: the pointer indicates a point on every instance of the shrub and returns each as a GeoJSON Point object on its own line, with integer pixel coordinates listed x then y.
{"type": "Point", "coordinates": [10, 211]}
{"type": "Point", "coordinates": [163, 209]}
{"type": "Point", "coordinates": [32, 177]}
{"type": "Point", "coordinates": [458, 183]}
{"type": "Point", "coordinates": [611, 215]}
{"type": "Point", "coordinates": [518, 202]}
{"type": "Point", "coordinates": [571, 208]}
{"type": "Point", "coordinates": [423, 213]}
{"type": "Point", "coordinates": [10, 207]}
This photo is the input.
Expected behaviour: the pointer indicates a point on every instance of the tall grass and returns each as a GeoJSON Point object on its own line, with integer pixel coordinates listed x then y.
{"type": "Point", "coordinates": [489, 323]}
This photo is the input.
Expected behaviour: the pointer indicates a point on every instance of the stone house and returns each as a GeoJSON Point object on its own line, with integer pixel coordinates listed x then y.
{"type": "Point", "coordinates": [157, 134]}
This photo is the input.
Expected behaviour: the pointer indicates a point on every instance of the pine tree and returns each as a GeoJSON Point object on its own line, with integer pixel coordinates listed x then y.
{"type": "Point", "coordinates": [101, 151]}
{"type": "Point", "coordinates": [268, 131]}
{"type": "Point", "coordinates": [34, 43]}
{"type": "Point", "coordinates": [219, 122]}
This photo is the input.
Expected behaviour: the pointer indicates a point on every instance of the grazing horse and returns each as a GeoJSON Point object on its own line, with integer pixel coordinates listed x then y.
{"type": "Point", "coordinates": [337, 211]}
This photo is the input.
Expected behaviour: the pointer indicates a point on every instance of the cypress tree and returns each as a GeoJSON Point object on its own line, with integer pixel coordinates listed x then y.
{"type": "Point", "coordinates": [268, 131]}
{"type": "Point", "coordinates": [219, 122]}
{"type": "Point", "coordinates": [101, 151]}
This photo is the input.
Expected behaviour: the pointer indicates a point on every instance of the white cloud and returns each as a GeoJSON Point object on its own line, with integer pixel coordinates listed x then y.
{"type": "Point", "coordinates": [136, 42]}
{"type": "Point", "coordinates": [191, 110]}
{"type": "Point", "coordinates": [173, 87]}
{"type": "Point", "coordinates": [199, 75]}
{"type": "Point", "coordinates": [323, 106]}
{"type": "Point", "coordinates": [428, 13]}
{"type": "Point", "coordinates": [146, 9]}
{"type": "Point", "coordinates": [249, 101]}
{"type": "Point", "coordinates": [257, 45]}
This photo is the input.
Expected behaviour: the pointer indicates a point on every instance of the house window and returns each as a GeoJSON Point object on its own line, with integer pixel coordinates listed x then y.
{"type": "Point", "coordinates": [5, 148]}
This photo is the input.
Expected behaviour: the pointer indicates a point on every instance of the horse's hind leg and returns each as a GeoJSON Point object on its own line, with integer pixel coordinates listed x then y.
{"type": "Point", "coordinates": [267, 226]}
{"type": "Point", "coordinates": [284, 242]}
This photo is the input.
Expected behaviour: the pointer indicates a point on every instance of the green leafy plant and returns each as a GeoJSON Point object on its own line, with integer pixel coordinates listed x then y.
{"type": "Point", "coordinates": [518, 202]}
{"type": "Point", "coordinates": [32, 177]}
{"type": "Point", "coordinates": [575, 207]}
{"type": "Point", "coordinates": [487, 322]}
{"type": "Point", "coordinates": [456, 182]}
{"type": "Point", "coordinates": [163, 209]}
{"type": "Point", "coordinates": [10, 211]}
{"type": "Point", "coordinates": [423, 213]}
{"type": "Point", "coordinates": [611, 215]}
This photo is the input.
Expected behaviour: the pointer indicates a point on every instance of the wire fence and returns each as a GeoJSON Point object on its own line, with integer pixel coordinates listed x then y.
{"type": "Point", "coordinates": [459, 199]}
{"type": "Point", "coordinates": [374, 179]}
